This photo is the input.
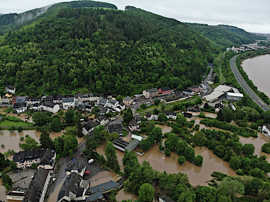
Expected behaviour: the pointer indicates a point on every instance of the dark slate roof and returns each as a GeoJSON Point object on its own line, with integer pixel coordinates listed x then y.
{"type": "Point", "coordinates": [34, 192]}
{"type": "Point", "coordinates": [103, 188]}
{"type": "Point", "coordinates": [94, 197]}
{"type": "Point", "coordinates": [19, 105]}
{"type": "Point", "coordinates": [153, 90]}
{"type": "Point", "coordinates": [132, 145]}
{"type": "Point", "coordinates": [28, 155]}
{"type": "Point", "coordinates": [165, 89]}
{"type": "Point", "coordinates": [90, 124]}
{"type": "Point", "coordinates": [69, 99]}
{"type": "Point", "coordinates": [76, 164]}
{"type": "Point", "coordinates": [46, 159]}
{"type": "Point", "coordinates": [115, 128]}
{"type": "Point", "coordinates": [11, 87]}
{"type": "Point", "coordinates": [71, 184]}
{"type": "Point", "coordinates": [48, 104]}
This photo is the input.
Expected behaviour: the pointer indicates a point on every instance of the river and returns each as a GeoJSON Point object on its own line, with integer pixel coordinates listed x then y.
{"type": "Point", "coordinates": [258, 70]}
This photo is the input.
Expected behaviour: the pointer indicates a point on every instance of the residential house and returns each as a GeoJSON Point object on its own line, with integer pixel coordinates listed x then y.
{"type": "Point", "coordinates": [87, 98]}
{"type": "Point", "coordinates": [25, 159]}
{"type": "Point", "coordinates": [115, 128]}
{"type": "Point", "coordinates": [188, 92]}
{"type": "Point", "coordinates": [20, 107]}
{"type": "Point", "coordinates": [73, 188]}
{"type": "Point", "coordinates": [15, 196]}
{"type": "Point", "coordinates": [171, 115]}
{"type": "Point", "coordinates": [50, 107]}
{"type": "Point", "coordinates": [38, 187]}
{"type": "Point", "coordinates": [5, 102]}
{"type": "Point", "coordinates": [47, 99]}
{"type": "Point", "coordinates": [58, 99]}
{"type": "Point", "coordinates": [165, 91]}
{"type": "Point", "coordinates": [266, 130]}
{"type": "Point", "coordinates": [103, 188]}
{"type": "Point", "coordinates": [47, 161]}
{"type": "Point", "coordinates": [10, 89]}
{"type": "Point", "coordinates": [89, 127]}
{"type": "Point", "coordinates": [187, 115]}
{"type": "Point", "coordinates": [68, 103]}
{"type": "Point", "coordinates": [128, 101]}
{"type": "Point", "coordinates": [150, 93]}
{"type": "Point", "coordinates": [134, 125]}
{"type": "Point", "coordinates": [102, 102]}
{"type": "Point", "coordinates": [30, 101]}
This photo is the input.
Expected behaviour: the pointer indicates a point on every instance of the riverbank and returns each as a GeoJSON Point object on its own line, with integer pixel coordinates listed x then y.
{"type": "Point", "coordinates": [240, 60]}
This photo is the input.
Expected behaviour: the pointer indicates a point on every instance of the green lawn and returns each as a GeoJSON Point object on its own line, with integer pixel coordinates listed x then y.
{"type": "Point", "coordinates": [6, 124]}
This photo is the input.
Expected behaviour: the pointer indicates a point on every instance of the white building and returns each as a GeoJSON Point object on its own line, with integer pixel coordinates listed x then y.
{"type": "Point", "coordinates": [234, 96]}
{"type": "Point", "coordinates": [68, 103]}
{"type": "Point", "coordinates": [10, 89]}
{"type": "Point", "coordinates": [220, 91]}
{"type": "Point", "coordinates": [50, 107]}
{"type": "Point", "coordinates": [266, 130]}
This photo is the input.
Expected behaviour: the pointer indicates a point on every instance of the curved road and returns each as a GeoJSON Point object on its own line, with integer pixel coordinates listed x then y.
{"type": "Point", "coordinates": [245, 86]}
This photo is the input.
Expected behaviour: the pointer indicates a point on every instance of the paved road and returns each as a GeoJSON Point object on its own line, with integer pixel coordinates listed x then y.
{"type": "Point", "coordinates": [246, 87]}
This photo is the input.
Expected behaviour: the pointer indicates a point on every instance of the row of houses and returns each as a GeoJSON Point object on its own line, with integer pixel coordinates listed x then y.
{"type": "Point", "coordinates": [55, 103]}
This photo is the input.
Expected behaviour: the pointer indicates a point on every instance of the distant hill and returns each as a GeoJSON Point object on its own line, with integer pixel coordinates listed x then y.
{"type": "Point", "coordinates": [106, 51]}
{"type": "Point", "coordinates": [14, 20]}
{"type": "Point", "coordinates": [224, 35]}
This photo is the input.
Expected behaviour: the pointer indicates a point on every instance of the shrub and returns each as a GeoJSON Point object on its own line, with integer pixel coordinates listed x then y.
{"type": "Point", "coordinates": [198, 161]}
{"type": "Point", "coordinates": [266, 148]}
{"type": "Point", "coordinates": [181, 160]}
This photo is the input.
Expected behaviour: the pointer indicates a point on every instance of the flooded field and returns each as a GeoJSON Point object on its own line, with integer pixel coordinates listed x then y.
{"type": "Point", "coordinates": [197, 175]}
{"type": "Point", "coordinates": [12, 139]}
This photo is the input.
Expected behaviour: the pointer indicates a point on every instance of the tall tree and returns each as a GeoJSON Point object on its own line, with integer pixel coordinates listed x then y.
{"type": "Point", "coordinates": [111, 157]}
{"type": "Point", "coordinates": [146, 193]}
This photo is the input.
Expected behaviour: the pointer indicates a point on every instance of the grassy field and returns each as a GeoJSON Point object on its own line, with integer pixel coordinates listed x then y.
{"type": "Point", "coordinates": [167, 106]}
{"type": "Point", "coordinates": [8, 125]}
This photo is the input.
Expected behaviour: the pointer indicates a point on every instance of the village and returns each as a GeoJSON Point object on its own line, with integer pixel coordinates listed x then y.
{"type": "Point", "coordinates": [78, 177]}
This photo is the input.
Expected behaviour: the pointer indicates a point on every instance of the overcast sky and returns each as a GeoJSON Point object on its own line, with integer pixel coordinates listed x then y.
{"type": "Point", "coordinates": [252, 15]}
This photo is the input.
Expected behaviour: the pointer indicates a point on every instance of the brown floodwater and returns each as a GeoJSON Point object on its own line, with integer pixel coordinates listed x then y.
{"type": "Point", "coordinates": [197, 175]}
{"type": "Point", "coordinates": [258, 70]}
{"type": "Point", "coordinates": [165, 129]}
{"type": "Point", "coordinates": [122, 195]}
{"type": "Point", "coordinates": [11, 139]}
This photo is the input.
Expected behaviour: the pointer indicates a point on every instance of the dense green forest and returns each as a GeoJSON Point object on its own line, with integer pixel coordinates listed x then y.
{"type": "Point", "coordinates": [105, 51]}
{"type": "Point", "coordinates": [224, 35]}
{"type": "Point", "coordinates": [14, 20]}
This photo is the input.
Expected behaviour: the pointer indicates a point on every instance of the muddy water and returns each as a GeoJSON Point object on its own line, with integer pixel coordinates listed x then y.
{"type": "Point", "coordinates": [2, 191]}
{"type": "Point", "coordinates": [165, 129]}
{"type": "Point", "coordinates": [258, 143]}
{"type": "Point", "coordinates": [122, 195]}
{"type": "Point", "coordinates": [11, 139]}
{"type": "Point", "coordinates": [196, 175]}
{"type": "Point", "coordinates": [258, 70]}
{"type": "Point", "coordinates": [54, 196]}
{"type": "Point", "coordinates": [102, 177]}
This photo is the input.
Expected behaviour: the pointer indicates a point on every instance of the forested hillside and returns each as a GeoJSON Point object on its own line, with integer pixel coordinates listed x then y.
{"type": "Point", "coordinates": [225, 36]}
{"type": "Point", "coordinates": [11, 21]}
{"type": "Point", "coordinates": [102, 50]}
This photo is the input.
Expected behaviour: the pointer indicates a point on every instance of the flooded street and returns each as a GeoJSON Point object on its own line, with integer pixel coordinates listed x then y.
{"type": "Point", "coordinates": [2, 191]}
{"type": "Point", "coordinates": [258, 143]}
{"type": "Point", "coordinates": [258, 70]}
